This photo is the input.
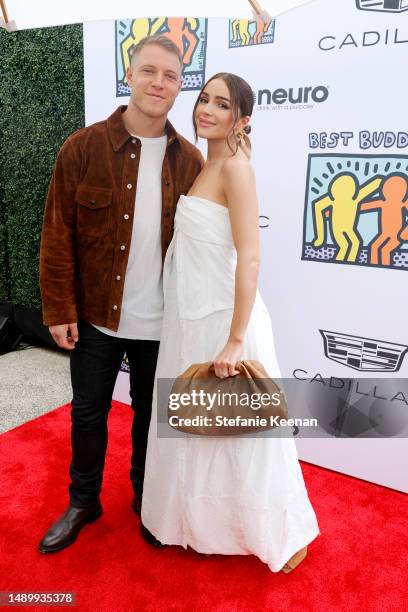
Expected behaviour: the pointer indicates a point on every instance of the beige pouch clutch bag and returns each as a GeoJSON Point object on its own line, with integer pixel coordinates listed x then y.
{"type": "Point", "coordinates": [201, 403]}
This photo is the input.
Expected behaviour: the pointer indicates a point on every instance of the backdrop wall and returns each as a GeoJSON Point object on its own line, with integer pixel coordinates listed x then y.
{"type": "Point", "coordinates": [330, 150]}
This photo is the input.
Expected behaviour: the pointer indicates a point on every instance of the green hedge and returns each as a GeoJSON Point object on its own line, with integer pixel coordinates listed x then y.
{"type": "Point", "coordinates": [41, 101]}
{"type": "Point", "coordinates": [4, 267]}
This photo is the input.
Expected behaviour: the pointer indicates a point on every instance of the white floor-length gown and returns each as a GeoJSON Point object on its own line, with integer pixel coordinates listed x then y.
{"type": "Point", "coordinates": [226, 495]}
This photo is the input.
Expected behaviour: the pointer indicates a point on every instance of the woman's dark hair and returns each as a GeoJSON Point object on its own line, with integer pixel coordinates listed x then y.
{"type": "Point", "coordinates": [242, 100]}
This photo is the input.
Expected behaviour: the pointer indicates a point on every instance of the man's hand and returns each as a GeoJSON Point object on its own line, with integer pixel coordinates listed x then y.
{"type": "Point", "coordinates": [65, 335]}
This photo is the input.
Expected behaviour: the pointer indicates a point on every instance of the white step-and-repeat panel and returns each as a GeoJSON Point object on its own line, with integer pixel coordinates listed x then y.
{"type": "Point", "coordinates": [330, 151]}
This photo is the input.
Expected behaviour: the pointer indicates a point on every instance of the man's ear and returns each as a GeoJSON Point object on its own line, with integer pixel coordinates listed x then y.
{"type": "Point", "coordinates": [129, 75]}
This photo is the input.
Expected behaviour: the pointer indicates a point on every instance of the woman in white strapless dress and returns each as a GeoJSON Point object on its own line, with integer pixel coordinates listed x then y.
{"type": "Point", "coordinates": [222, 495]}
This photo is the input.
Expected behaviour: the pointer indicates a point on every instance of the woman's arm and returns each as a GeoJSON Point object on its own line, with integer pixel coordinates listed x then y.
{"type": "Point", "coordinates": [240, 191]}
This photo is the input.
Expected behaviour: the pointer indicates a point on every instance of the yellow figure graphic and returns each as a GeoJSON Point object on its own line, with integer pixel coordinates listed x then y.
{"type": "Point", "coordinates": [177, 29]}
{"type": "Point", "coordinates": [241, 25]}
{"type": "Point", "coordinates": [341, 204]}
{"type": "Point", "coordinates": [140, 28]}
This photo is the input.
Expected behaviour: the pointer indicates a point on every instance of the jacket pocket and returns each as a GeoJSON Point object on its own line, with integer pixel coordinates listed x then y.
{"type": "Point", "coordinates": [93, 211]}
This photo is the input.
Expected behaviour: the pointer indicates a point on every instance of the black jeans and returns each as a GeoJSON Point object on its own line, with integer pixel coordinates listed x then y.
{"type": "Point", "coordinates": [95, 364]}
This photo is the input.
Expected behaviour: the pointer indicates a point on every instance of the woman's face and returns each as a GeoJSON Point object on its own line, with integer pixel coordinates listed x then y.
{"type": "Point", "coordinates": [214, 114]}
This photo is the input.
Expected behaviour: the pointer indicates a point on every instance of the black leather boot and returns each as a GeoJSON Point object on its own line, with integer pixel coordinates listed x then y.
{"type": "Point", "coordinates": [66, 529]}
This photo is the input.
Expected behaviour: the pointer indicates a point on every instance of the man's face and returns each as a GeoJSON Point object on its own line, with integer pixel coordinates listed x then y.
{"type": "Point", "coordinates": [155, 80]}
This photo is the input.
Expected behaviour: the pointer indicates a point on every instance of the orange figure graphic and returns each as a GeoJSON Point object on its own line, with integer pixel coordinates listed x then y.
{"type": "Point", "coordinates": [341, 205]}
{"type": "Point", "coordinates": [182, 31]}
{"type": "Point", "coordinates": [261, 28]}
{"type": "Point", "coordinates": [391, 207]}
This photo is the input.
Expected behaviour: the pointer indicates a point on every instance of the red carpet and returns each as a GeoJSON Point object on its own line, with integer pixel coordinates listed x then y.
{"type": "Point", "coordinates": [358, 563]}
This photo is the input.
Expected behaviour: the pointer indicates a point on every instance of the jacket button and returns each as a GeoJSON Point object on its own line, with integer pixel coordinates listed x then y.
{"type": "Point", "coordinates": [126, 216]}
{"type": "Point", "coordinates": [167, 182]}
{"type": "Point", "coordinates": [129, 185]}
{"type": "Point", "coordinates": [92, 202]}
{"type": "Point", "coordinates": [133, 140]}
{"type": "Point", "coordinates": [132, 155]}
{"type": "Point", "coordinates": [114, 307]}
{"type": "Point", "coordinates": [122, 247]}
{"type": "Point", "coordinates": [118, 277]}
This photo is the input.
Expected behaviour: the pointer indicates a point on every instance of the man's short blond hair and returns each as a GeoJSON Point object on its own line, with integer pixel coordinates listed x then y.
{"type": "Point", "coordinates": [161, 41]}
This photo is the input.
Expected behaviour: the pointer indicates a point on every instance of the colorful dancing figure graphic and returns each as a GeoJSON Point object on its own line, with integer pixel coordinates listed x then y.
{"type": "Point", "coordinates": [261, 28]}
{"type": "Point", "coordinates": [242, 27]}
{"type": "Point", "coordinates": [341, 205]}
{"type": "Point", "coordinates": [181, 31]}
{"type": "Point", "coordinates": [392, 209]}
{"type": "Point", "coordinates": [139, 29]}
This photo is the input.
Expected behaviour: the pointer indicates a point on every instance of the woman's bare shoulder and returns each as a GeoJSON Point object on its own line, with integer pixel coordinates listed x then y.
{"type": "Point", "coordinates": [237, 169]}
{"type": "Point", "coordinates": [233, 162]}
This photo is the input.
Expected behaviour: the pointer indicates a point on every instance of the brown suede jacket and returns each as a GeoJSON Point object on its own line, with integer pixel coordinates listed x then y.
{"type": "Point", "coordinates": [89, 215]}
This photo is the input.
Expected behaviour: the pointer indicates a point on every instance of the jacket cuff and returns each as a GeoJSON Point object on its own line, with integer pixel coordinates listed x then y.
{"type": "Point", "coordinates": [61, 316]}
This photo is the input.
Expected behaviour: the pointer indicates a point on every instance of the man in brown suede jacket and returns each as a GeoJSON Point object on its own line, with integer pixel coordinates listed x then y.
{"type": "Point", "coordinates": [107, 225]}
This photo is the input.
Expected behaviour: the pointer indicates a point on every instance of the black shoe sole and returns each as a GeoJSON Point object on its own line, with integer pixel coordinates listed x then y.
{"type": "Point", "coordinates": [51, 549]}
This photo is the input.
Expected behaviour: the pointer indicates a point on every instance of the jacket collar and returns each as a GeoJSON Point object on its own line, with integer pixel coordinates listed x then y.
{"type": "Point", "coordinates": [118, 134]}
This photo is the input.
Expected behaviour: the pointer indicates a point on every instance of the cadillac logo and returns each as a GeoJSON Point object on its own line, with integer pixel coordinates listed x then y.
{"type": "Point", "coordinates": [389, 6]}
{"type": "Point", "coordinates": [363, 354]}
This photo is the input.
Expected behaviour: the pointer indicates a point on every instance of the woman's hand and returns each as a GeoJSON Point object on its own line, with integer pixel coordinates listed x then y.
{"type": "Point", "coordinates": [224, 364]}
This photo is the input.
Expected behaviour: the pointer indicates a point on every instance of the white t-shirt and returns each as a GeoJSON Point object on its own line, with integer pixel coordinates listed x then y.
{"type": "Point", "coordinates": [142, 306]}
